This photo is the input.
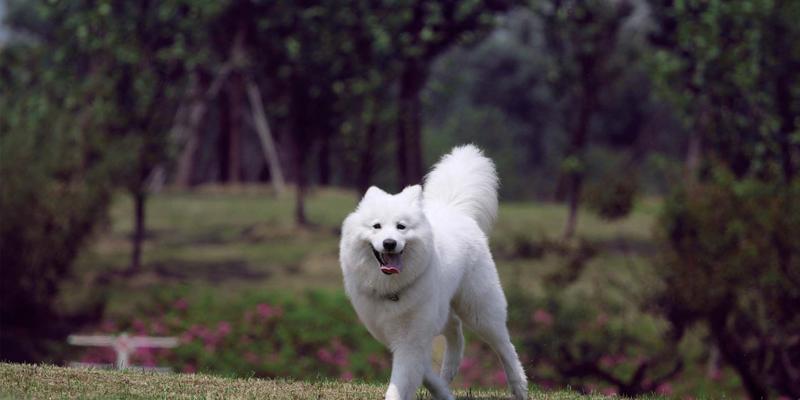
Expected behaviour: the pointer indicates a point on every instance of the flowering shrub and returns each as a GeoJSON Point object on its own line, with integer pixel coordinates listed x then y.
{"type": "Point", "coordinates": [264, 335]}
{"type": "Point", "coordinates": [591, 340]}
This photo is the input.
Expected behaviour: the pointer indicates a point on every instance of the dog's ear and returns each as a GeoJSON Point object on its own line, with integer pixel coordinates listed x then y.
{"type": "Point", "coordinates": [372, 192]}
{"type": "Point", "coordinates": [414, 193]}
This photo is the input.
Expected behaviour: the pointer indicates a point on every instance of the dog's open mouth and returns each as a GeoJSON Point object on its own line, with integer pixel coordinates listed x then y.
{"type": "Point", "coordinates": [390, 263]}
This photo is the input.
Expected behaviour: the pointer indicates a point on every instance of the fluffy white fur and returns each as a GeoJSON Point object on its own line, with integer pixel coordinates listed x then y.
{"type": "Point", "coordinates": [447, 274]}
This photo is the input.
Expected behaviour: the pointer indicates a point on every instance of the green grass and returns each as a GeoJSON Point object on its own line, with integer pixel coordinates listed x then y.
{"type": "Point", "coordinates": [232, 239]}
{"type": "Point", "coordinates": [223, 242]}
{"type": "Point", "coordinates": [21, 381]}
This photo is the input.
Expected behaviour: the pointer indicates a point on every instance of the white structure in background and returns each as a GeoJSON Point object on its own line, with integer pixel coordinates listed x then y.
{"type": "Point", "coordinates": [123, 345]}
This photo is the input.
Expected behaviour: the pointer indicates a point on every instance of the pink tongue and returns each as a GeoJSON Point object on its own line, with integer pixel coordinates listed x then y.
{"type": "Point", "coordinates": [393, 264]}
{"type": "Point", "coordinates": [389, 270]}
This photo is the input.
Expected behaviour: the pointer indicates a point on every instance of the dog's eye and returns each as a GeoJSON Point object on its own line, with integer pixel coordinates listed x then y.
{"type": "Point", "coordinates": [401, 226]}
{"type": "Point", "coordinates": [377, 226]}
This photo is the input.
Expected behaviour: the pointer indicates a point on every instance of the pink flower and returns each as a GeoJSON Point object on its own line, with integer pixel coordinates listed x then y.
{"type": "Point", "coordinates": [265, 311]}
{"type": "Point", "coordinates": [325, 356]}
{"type": "Point", "coordinates": [664, 388]}
{"type": "Point", "coordinates": [158, 328]}
{"type": "Point", "coordinates": [223, 328]}
{"type": "Point", "coordinates": [601, 320]}
{"type": "Point", "coordinates": [336, 354]}
{"type": "Point", "coordinates": [189, 368]}
{"type": "Point", "coordinates": [378, 361]}
{"type": "Point", "coordinates": [186, 337]}
{"type": "Point", "coordinates": [541, 316]}
{"type": "Point", "coordinates": [145, 356]}
{"type": "Point", "coordinates": [346, 376]}
{"type": "Point", "coordinates": [468, 363]}
{"type": "Point", "coordinates": [607, 361]}
{"type": "Point", "coordinates": [139, 326]}
{"type": "Point", "coordinates": [499, 377]}
{"type": "Point", "coordinates": [108, 326]}
{"type": "Point", "coordinates": [181, 304]}
{"type": "Point", "coordinates": [251, 357]}
{"type": "Point", "coordinates": [609, 391]}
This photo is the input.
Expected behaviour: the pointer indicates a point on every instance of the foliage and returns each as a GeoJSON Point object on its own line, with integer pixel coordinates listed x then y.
{"type": "Point", "coordinates": [58, 176]}
{"type": "Point", "coordinates": [612, 200]}
{"type": "Point", "coordinates": [730, 68]}
{"type": "Point", "coordinates": [257, 334]}
{"type": "Point", "coordinates": [731, 262]}
{"type": "Point", "coordinates": [594, 333]}
{"type": "Point", "coordinates": [612, 191]}
{"type": "Point", "coordinates": [89, 112]}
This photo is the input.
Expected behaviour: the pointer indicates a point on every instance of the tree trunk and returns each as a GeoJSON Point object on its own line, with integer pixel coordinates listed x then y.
{"type": "Point", "coordinates": [367, 160]}
{"type": "Point", "coordinates": [693, 158]}
{"type": "Point", "coordinates": [303, 128]}
{"type": "Point", "coordinates": [300, 187]}
{"type": "Point", "coordinates": [574, 193]}
{"type": "Point", "coordinates": [223, 148]}
{"type": "Point", "coordinates": [139, 199]}
{"type": "Point", "coordinates": [183, 175]}
{"type": "Point", "coordinates": [788, 120]}
{"type": "Point", "coordinates": [735, 355]}
{"type": "Point", "coordinates": [409, 124]}
{"type": "Point", "coordinates": [324, 159]}
{"type": "Point", "coordinates": [265, 135]}
{"type": "Point", "coordinates": [235, 128]}
{"type": "Point", "coordinates": [575, 175]}
{"type": "Point", "coordinates": [186, 130]}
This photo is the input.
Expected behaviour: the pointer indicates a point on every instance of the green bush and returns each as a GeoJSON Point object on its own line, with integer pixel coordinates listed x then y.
{"type": "Point", "coordinates": [731, 261]}
{"type": "Point", "coordinates": [593, 341]}
{"type": "Point", "coordinates": [613, 197]}
{"type": "Point", "coordinates": [56, 172]}
{"type": "Point", "coordinates": [256, 334]}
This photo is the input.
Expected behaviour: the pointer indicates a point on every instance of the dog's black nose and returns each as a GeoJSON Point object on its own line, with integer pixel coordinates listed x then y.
{"type": "Point", "coordinates": [389, 244]}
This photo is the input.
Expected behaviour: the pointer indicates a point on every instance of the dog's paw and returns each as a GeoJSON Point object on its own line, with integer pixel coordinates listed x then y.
{"type": "Point", "coordinates": [393, 393]}
{"type": "Point", "coordinates": [448, 374]}
{"type": "Point", "coordinates": [520, 391]}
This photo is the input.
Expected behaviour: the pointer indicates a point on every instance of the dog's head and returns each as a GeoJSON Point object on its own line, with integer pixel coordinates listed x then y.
{"type": "Point", "coordinates": [389, 229]}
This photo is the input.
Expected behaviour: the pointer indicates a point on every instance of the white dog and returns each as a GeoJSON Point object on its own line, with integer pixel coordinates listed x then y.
{"type": "Point", "coordinates": [417, 264]}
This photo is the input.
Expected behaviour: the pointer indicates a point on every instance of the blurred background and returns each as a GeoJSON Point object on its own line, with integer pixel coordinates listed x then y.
{"type": "Point", "coordinates": [181, 168]}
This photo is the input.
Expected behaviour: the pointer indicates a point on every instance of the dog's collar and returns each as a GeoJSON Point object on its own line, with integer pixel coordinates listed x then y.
{"type": "Point", "coordinates": [395, 296]}
{"type": "Point", "coordinates": [392, 296]}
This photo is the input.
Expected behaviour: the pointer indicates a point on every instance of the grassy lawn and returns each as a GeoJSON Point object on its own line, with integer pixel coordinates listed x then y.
{"type": "Point", "coordinates": [220, 245]}
{"type": "Point", "coordinates": [19, 381]}
{"type": "Point", "coordinates": [238, 238]}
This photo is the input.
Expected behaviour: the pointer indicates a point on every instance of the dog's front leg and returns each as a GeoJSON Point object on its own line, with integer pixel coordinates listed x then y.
{"type": "Point", "coordinates": [408, 368]}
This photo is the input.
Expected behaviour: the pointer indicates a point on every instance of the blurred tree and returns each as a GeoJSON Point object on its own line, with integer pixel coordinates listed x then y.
{"type": "Point", "coordinates": [502, 94]}
{"type": "Point", "coordinates": [145, 50]}
{"type": "Point", "coordinates": [307, 46]}
{"type": "Point", "coordinates": [732, 263]}
{"type": "Point", "coordinates": [731, 67]}
{"type": "Point", "coordinates": [58, 170]}
{"type": "Point", "coordinates": [580, 333]}
{"type": "Point", "coordinates": [424, 30]}
{"type": "Point", "coordinates": [583, 37]}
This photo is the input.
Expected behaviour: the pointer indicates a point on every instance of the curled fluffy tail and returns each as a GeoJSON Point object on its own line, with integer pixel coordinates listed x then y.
{"type": "Point", "coordinates": [466, 180]}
